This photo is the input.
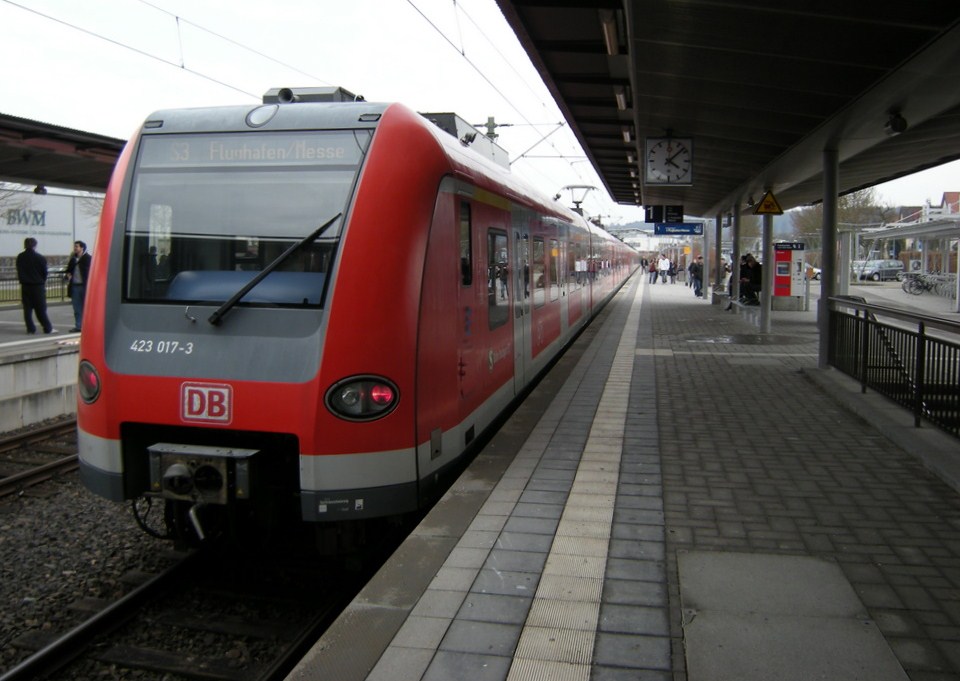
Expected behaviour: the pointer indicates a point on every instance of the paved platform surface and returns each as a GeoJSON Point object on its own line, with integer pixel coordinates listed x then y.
{"type": "Point", "coordinates": [677, 452]}
{"type": "Point", "coordinates": [681, 498]}
{"type": "Point", "coordinates": [14, 339]}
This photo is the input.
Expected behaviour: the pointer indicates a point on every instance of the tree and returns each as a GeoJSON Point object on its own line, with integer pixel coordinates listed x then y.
{"type": "Point", "coordinates": [12, 198]}
{"type": "Point", "coordinates": [7, 192]}
{"type": "Point", "coordinates": [750, 233]}
{"type": "Point", "coordinates": [90, 204]}
{"type": "Point", "coordinates": [857, 209]}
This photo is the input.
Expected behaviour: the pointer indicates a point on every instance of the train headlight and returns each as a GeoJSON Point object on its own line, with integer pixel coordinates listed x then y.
{"type": "Point", "coordinates": [349, 396]}
{"type": "Point", "coordinates": [362, 398]}
{"type": "Point", "coordinates": [88, 382]}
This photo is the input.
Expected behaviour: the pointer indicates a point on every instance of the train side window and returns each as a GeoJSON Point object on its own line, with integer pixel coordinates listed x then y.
{"type": "Point", "coordinates": [498, 279]}
{"type": "Point", "coordinates": [554, 265]}
{"type": "Point", "coordinates": [466, 247]}
{"type": "Point", "coordinates": [538, 272]}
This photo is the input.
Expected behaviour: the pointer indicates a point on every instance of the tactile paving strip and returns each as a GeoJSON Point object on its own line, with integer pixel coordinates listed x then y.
{"type": "Point", "coordinates": [556, 645]}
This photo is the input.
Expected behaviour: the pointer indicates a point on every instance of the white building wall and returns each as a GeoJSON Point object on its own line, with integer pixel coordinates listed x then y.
{"type": "Point", "coordinates": [55, 220]}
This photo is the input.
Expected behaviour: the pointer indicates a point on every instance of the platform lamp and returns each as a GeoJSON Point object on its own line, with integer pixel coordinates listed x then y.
{"type": "Point", "coordinates": [578, 193]}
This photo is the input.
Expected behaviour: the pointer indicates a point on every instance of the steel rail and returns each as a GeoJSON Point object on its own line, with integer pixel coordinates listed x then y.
{"type": "Point", "coordinates": [12, 441]}
{"type": "Point", "coordinates": [13, 484]}
{"type": "Point", "coordinates": [71, 645]}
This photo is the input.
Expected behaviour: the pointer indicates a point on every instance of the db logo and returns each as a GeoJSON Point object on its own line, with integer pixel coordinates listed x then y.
{"type": "Point", "coordinates": [206, 402]}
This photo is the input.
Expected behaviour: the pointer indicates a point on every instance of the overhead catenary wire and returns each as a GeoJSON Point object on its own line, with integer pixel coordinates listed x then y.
{"type": "Point", "coordinates": [236, 43]}
{"type": "Point", "coordinates": [480, 72]}
{"type": "Point", "coordinates": [466, 58]}
{"type": "Point", "coordinates": [184, 66]}
{"type": "Point", "coordinates": [179, 20]}
{"type": "Point", "coordinates": [143, 53]}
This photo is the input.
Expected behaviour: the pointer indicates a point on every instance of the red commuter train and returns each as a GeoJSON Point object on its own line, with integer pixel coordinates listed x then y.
{"type": "Point", "coordinates": [307, 310]}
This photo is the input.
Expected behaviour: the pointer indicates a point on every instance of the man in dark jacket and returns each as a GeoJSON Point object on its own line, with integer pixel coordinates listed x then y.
{"type": "Point", "coordinates": [751, 281]}
{"type": "Point", "coordinates": [78, 271]}
{"type": "Point", "coordinates": [32, 274]}
{"type": "Point", "coordinates": [696, 276]}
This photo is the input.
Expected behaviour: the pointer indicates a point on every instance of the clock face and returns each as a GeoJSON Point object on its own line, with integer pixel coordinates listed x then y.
{"type": "Point", "coordinates": [669, 160]}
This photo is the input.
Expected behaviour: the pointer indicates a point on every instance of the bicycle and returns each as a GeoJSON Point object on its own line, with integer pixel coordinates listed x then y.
{"type": "Point", "coordinates": [916, 284]}
{"type": "Point", "coordinates": [944, 285]}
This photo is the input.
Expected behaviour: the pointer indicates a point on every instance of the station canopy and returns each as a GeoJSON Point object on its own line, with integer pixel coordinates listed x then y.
{"type": "Point", "coordinates": [36, 153]}
{"type": "Point", "coordinates": [761, 88]}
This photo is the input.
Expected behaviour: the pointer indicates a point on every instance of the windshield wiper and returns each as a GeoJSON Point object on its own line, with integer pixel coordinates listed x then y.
{"type": "Point", "coordinates": [279, 260]}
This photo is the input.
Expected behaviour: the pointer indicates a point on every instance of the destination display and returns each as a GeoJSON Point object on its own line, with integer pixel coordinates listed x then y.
{"type": "Point", "coordinates": [678, 228]}
{"type": "Point", "coordinates": [339, 148]}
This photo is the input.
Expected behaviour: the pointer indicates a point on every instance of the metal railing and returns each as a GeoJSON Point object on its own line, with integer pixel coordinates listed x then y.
{"type": "Point", "coordinates": [913, 359]}
{"type": "Point", "coordinates": [56, 290]}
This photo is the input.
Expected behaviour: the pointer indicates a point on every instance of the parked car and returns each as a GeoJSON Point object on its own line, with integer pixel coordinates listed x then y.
{"type": "Point", "coordinates": [880, 270]}
{"type": "Point", "coordinates": [813, 272]}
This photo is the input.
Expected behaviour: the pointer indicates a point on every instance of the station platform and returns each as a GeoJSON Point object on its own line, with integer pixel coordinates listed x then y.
{"type": "Point", "coordinates": [680, 498]}
{"type": "Point", "coordinates": [38, 373]}
{"type": "Point", "coordinates": [13, 330]}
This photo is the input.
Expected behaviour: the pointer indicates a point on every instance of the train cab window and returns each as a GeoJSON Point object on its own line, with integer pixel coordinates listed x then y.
{"type": "Point", "coordinates": [208, 212]}
{"type": "Point", "coordinates": [466, 247]}
{"type": "Point", "coordinates": [498, 278]}
{"type": "Point", "coordinates": [538, 272]}
{"type": "Point", "coordinates": [554, 269]}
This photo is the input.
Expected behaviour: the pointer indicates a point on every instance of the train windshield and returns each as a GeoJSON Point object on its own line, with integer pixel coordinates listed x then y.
{"type": "Point", "coordinates": [209, 212]}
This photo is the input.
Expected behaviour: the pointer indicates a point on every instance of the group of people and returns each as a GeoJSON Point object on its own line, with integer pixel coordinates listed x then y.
{"type": "Point", "coordinates": [32, 275]}
{"type": "Point", "coordinates": [751, 277]}
{"type": "Point", "coordinates": [662, 268]}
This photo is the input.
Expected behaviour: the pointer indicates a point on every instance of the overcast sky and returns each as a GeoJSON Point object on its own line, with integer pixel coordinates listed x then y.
{"type": "Point", "coordinates": [104, 65]}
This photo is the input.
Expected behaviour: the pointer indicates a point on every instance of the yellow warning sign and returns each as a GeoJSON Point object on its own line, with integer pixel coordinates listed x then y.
{"type": "Point", "coordinates": [768, 205]}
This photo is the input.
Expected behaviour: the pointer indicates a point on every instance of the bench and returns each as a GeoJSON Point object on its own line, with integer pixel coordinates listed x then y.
{"type": "Point", "coordinates": [751, 312]}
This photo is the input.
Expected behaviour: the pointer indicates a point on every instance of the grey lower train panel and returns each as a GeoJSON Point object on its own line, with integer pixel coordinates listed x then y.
{"type": "Point", "coordinates": [355, 504]}
{"type": "Point", "coordinates": [103, 483]}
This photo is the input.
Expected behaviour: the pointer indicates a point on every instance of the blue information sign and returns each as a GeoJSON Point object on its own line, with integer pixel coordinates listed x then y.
{"type": "Point", "coordinates": [678, 228]}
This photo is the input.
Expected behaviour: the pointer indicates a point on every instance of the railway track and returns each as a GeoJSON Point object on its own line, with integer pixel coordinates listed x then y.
{"type": "Point", "coordinates": [11, 441]}
{"type": "Point", "coordinates": [37, 455]}
{"type": "Point", "coordinates": [210, 616]}
{"type": "Point", "coordinates": [217, 615]}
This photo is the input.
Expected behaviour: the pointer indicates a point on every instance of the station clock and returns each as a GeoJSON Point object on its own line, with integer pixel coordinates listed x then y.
{"type": "Point", "coordinates": [668, 161]}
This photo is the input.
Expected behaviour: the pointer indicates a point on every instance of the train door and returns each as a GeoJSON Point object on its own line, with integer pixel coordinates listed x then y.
{"type": "Point", "coordinates": [558, 269]}
{"type": "Point", "coordinates": [576, 273]}
{"type": "Point", "coordinates": [521, 302]}
{"type": "Point", "coordinates": [469, 340]}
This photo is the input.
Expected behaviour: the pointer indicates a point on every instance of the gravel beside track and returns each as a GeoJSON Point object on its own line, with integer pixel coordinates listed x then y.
{"type": "Point", "coordinates": [59, 544]}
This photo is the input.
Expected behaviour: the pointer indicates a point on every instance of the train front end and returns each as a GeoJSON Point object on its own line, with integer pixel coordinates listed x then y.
{"type": "Point", "coordinates": [201, 384]}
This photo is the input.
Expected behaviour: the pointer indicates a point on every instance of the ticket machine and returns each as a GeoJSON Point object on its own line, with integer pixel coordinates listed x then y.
{"type": "Point", "coordinates": [789, 275]}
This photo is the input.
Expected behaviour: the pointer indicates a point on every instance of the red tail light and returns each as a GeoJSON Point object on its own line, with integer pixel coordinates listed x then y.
{"type": "Point", "coordinates": [381, 394]}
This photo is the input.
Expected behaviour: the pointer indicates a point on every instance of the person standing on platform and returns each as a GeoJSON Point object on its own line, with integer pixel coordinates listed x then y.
{"type": "Point", "coordinates": [696, 276]}
{"type": "Point", "coordinates": [32, 274]}
{"type": "Point", "coordinates": [77, 273]}
{"type": "Point", "coordinates": [664, 266]}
